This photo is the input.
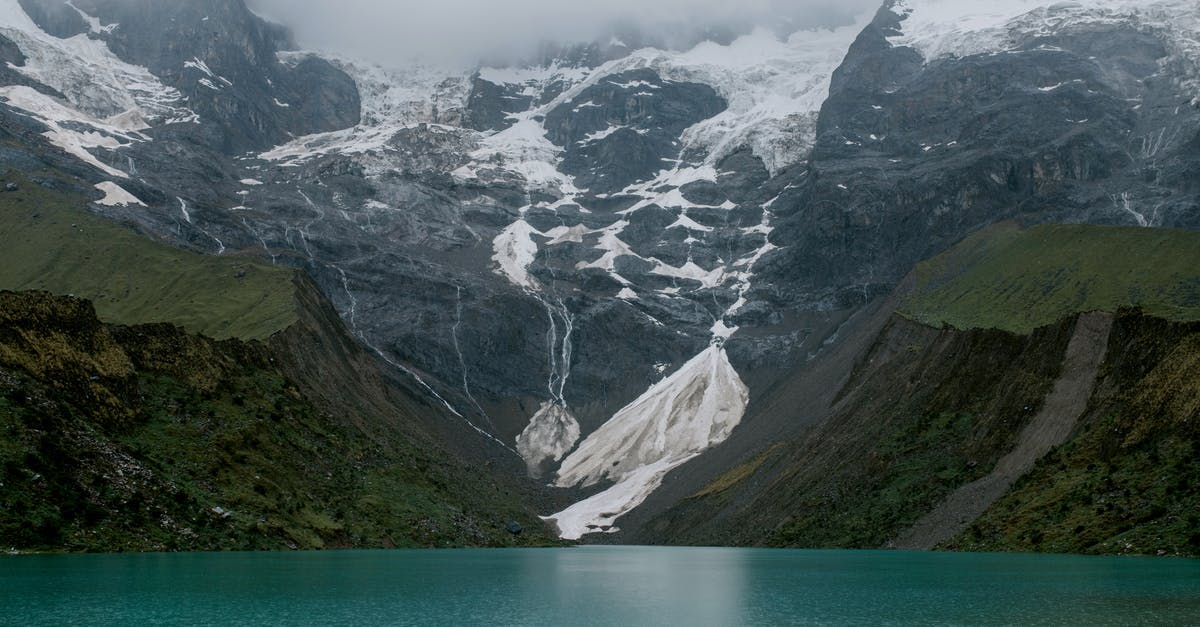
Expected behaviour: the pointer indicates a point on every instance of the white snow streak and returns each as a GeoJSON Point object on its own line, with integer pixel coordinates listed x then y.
{"type": "Point", "coordinates": [676, 419]}
{"type": "Point", "coordinates": [116, 196]}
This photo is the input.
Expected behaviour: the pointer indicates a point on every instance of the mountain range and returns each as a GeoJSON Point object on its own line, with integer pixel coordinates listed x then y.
{"type": "Point", "coordinates": [924, 280]}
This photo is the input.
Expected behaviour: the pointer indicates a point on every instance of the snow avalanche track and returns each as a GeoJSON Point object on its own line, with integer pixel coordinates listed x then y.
{"type": "Point", "coordinates": [677, 419]}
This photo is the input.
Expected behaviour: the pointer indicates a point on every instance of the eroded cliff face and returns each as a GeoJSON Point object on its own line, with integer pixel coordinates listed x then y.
{"type": "Point", "coordinates": [1127, 481]}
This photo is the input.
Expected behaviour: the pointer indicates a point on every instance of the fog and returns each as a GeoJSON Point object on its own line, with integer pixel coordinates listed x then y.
{"type": "Point", "coordinates": [466, 31]}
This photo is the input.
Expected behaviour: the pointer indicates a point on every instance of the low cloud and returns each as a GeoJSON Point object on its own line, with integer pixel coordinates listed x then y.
{"type": "Point", "coordinates": [465, 31]}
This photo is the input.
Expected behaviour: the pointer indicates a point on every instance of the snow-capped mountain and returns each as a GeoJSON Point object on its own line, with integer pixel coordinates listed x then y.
{"type": "Point", "coordinates": [598, 262]}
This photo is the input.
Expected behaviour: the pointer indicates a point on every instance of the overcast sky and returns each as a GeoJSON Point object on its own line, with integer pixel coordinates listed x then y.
{"type": "Point", "coordinates": [469, 30]}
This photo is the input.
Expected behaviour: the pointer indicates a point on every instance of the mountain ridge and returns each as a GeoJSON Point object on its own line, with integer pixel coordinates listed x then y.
{"type": "Point", "coordinates": [487, 231]}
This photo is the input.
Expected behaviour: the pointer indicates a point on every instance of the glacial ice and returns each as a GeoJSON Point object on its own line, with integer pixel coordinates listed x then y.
{"type": "Point", "coordinates": [92, 78]}
{"type": "Point", "coordinates": [676, 419]}
{"type": "Point", "coordinates": [960, 28]}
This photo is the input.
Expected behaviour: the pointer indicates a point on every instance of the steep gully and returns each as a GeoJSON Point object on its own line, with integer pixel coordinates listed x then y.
{"type": "Point", "coordinates": [1052, 426]}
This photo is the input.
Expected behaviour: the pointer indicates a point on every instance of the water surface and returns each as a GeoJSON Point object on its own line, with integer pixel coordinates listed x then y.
{"type": "Point", "coordinates": [597, 586]}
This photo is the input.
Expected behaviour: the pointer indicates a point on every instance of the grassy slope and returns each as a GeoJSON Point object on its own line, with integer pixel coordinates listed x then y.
{"type": "Point", "coordinates": [1129, 481]}
{"type": "Point", "coordinates": [944, 408]}
{"type": "Point", "coordinates": [107, 444]}
{"type": "Point", "coordinates": [51, 243]}
{"type": "Point", "coordinates": [138, 458]}
{"type": "Point", "coordinates": [1017, 280]}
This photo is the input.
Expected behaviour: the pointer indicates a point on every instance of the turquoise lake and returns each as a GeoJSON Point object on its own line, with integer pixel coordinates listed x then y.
{"type": "Point", "coordinates": [597, 586]}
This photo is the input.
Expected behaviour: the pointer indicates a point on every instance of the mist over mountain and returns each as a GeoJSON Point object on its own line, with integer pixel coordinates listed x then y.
{"type": "Point", "coordinates": [466, 31]}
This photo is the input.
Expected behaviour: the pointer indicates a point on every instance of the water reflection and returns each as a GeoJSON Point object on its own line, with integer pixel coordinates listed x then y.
{"type": "Point", "coordinates": [596, 586]}
{"type": "Point", "coordinates": [644, 586]}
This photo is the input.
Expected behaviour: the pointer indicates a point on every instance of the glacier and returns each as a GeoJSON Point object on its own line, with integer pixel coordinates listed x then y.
{"type": "Point", "coordinates": [960, 28]}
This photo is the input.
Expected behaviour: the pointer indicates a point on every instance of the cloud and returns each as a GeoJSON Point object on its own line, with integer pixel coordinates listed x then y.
{"type": "Point", "coordinates": [464, 31]}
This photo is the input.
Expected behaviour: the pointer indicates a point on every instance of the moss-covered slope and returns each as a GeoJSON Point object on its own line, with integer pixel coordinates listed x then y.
{"type": "Point", "coordinates": [150, 438]}
{"type": "Point", "coordinates": [1008, 278]}
{"type": "Point", "coordinates": [51, 243]}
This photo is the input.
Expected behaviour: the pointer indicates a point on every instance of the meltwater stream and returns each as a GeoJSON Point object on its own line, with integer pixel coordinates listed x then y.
{"type": "Point", "coordinates": [597, 586]}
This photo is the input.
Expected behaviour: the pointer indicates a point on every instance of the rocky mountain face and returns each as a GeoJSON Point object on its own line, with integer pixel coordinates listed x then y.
{"type": "Point", "coordinates": [219, 57]}
{"type": "Point", "coordinates": [1066, 113]}
{"type": "Point", "coordinates": [606, 260]}
{"type": "Point", "coordinates": [182, 401]}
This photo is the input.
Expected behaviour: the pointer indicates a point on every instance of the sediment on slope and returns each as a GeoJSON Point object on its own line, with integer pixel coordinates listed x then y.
{"type": "Point", "coordinates": [1128, 480]}
{"type": "Point", "coordinates": [924, 412]}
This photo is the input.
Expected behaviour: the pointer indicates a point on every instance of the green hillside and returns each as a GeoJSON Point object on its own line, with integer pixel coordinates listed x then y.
{"type": "Point", "coordinates": [147, 438]}
{"type": "Point", "coordinates": [52, 243]}
{"type": "Point", "coordinates": [1129, 481]}
{"type": "Point", "coordinates": [133, 436]}
{"type": "Point", "coordinates": [1017, 280]}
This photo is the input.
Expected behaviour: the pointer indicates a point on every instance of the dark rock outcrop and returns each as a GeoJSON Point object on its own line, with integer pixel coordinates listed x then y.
{"type": "Point", "coordinates": [912, 154]}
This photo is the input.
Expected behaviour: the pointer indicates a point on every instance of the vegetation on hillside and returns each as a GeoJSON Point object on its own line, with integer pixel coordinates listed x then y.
{"type": "Point", "coordinates": [149, 411]}
{"type": "Point", "coordinates": [1129, 482]}
{"type": "Point", "coordinates": [1018, 280]}
{"type": "Point", "coordinates": [934, 418]}
{"type": "Point", "coordinates": [107, 444]}
{"type": "Point", "coordinates": [948, 386]}
{"type": "Point", "coordinates": [52, 243]}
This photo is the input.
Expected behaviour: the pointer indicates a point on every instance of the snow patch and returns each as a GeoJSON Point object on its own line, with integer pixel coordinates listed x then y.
{"type": "Point", "coordinates": [721, 330]}
{"type": "Point", "coordinates": [550, 434]}
{"type": "Point", "coordinates": [524, 148]}
{"type": "Point", "coordinates": [599, 135]}
{"type": "Point", "coordinates": [514, 251]}
{"type": "Point", "coordinates": [116, 196]}
{"type": "Point", "coordinates": [599, 513]}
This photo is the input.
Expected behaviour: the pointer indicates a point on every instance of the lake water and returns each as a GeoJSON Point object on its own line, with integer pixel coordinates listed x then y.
{"type": "Point", "coordinates": [597, 586]}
